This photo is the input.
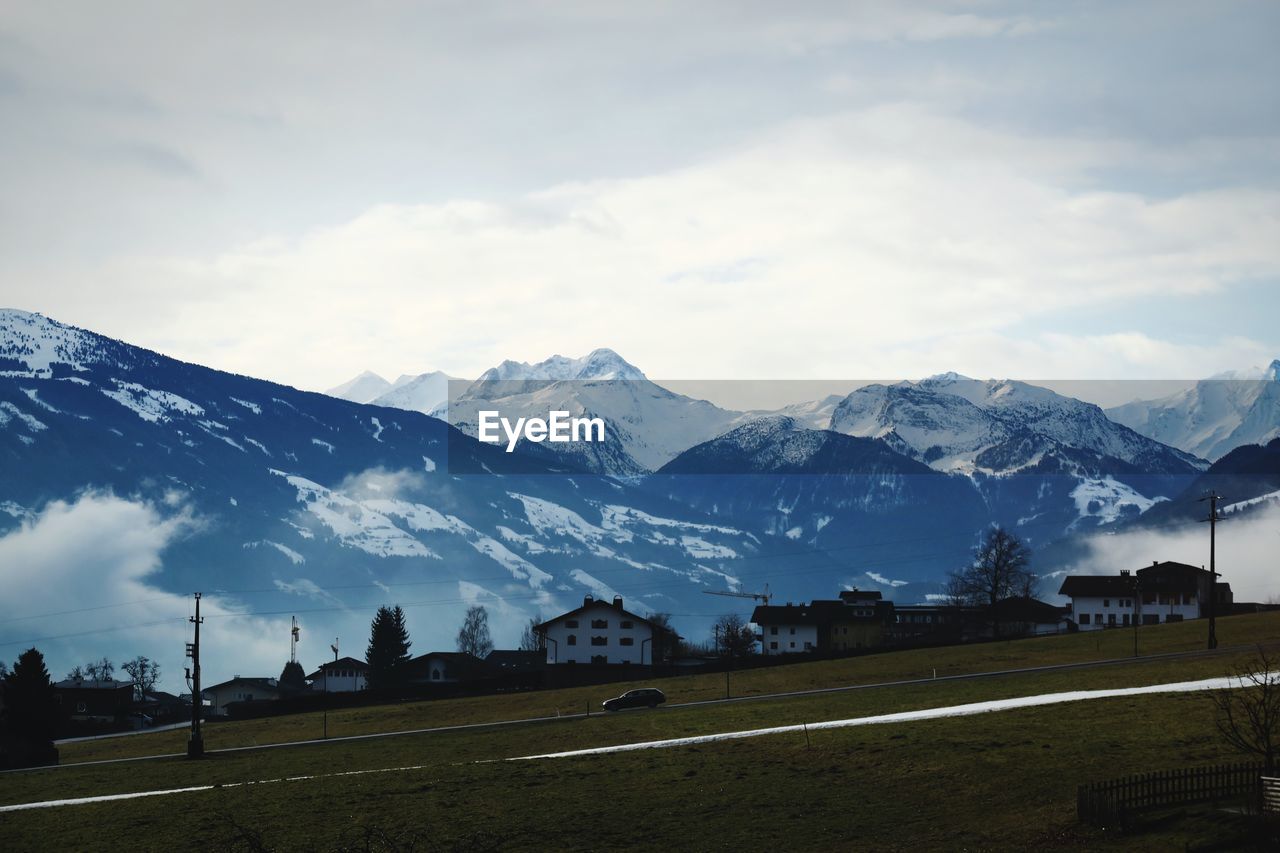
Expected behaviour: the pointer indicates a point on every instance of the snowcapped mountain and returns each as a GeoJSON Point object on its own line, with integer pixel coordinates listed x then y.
{"type": "Point", "coordinates": [365, 388]}
{"type": "Point", "coordinates": [302, 497]}
{"type": "Point", "coordinates": [597, 364]}
{"type": "Point", "coordinates": [423, 392]}
{"type": "Point", "coordinates": [646, 425]}
{"type": "Point", "coordinates": [996, 427]}
{"type": "Point", "coordinates": [1214, 416]}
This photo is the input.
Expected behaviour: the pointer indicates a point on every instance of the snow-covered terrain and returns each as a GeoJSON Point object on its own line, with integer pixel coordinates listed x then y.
{"type": "Point", "coordinates": [1214, 416]}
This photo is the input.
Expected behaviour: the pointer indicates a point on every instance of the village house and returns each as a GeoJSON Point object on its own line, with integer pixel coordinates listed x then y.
{"type": "Point", "coordinates": [219, 697]}
{"type": "Point", "coordinates": [345, 675]}
{"type": "Point", "coordinates": [1162, 592]}
{"type": "Point", "coordinates": [598, 633]}
{"type": "Point", "coordinates": [857, 620]}
{"type": "Point", "coordinates": [446, 668]}
{"type": "Point", "coordinates": [102, 701]}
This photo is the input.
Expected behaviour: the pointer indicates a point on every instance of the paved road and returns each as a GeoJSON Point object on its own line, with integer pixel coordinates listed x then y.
{"type": "Point", "coordinates": [753, 698]}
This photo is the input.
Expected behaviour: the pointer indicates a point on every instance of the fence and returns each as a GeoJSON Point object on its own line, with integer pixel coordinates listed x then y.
{"type": "Point", "coordinates": [1112, 803]}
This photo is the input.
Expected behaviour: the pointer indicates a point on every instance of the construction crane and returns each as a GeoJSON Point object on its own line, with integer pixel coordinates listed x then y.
{"type": "Point", "coordinates": [758, 596]}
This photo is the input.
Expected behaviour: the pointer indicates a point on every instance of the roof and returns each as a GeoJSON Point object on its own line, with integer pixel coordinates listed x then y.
{"type": "Point", "coordinates": [340, 663]}
{"type": "Point", "coordinates": [590, 603]}
{"type": "Point", "coordinates": [1027, 609]}
{"type": "Point", "coordinates": [264, 683]}
{"type": "Point", "coordinates": [456, 664]}
{"type": "Point", "coordinates": [516, 658]}
{"type": "Point", "coordinates": [91, 684]}
{"type": "Point", "coordinates": [860, 594]}
{"type": "Point", "coordinates": [1097, 586]}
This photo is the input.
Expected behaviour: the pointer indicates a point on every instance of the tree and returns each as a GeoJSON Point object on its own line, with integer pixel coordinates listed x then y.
{"type": "Point", "coordinates": [531, 640]}
{"type": "Point", "coordinates": [76, 674]}
{"type": "Point", "coordinates": [1248, 712]}
{"type": "Point", "coordinates": [293, 676]}
{"type": "Point", "coordinates": [144, 672]}
{"type": "Point", "coordinates": [999, 570]}
{"type": "Point", "coordinates": [30, 711]}
{"type": "Point", "coordinates": [473, 636]}
{"type": "Point", "coordinates": [388, 650]}
{"type": "Point", "coordinates": [733, 636]}
{"type": "Point", "coordinates": [101, 669]}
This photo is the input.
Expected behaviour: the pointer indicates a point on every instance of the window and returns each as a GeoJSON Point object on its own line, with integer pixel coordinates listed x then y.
{"type": "Point", "coordinates": [80, 707]}
{"type": "Point", "coordinates": [1111, 619]}
{"type": "Point", "coordinates": [1126, 619]}
{"type": "Point", "coordinates": [627, 641]}
{"type": "Point", "coordinates": [793, 630]}
{"type": "Point", "coordinates": [571, 623]}
{"type": "Point", "coordinates": [1097, 618]}
{"type": "Point", "coordinates": [773, 645]}
{"type": "Point", "coordinates": [808, 646]}
{"type": "Point", "coordinates": [774, 630]}
{"type": "Point", "coordinates": [599, 623]}
{"type": "Point", "coordinates": [572, 640]}
{"type": "Point", "coordinates": [599, 641]}
{"type": "Point", "coordinates": [435, 675]}
{"type": "Point", "coordinates": [599, 658]}
{"type": "Point", "coordinates": [626, 624]}
{"type": "Point", "coordinates": [793, 644]}
{"type": "Point", "coordinates": [1106, 602]}
{"type": "Point", "coordinates": [1084, 618]}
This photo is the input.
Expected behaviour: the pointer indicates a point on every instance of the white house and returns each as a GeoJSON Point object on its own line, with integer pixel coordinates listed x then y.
{"type": "Point", "coordinates": [790, 628]}
{"type": "Point", "coordinates": [598, 632]}
{"type": "Point", "coordinates": [238, 689]}
{"type": "Point", "coordinates": [1162, 592]}
{"type": "Point", "coordinates": [345, 675]}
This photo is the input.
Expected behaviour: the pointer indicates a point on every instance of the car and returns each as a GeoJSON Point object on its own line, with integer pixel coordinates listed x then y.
{"type": "Point", "coordinates": [650, 697]}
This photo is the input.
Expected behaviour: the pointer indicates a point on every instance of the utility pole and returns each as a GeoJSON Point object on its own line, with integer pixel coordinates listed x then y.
{"type": "Point", "coordinates": [195, 745]}
{"type": "Point", "coordinates": [1213, 497]}
{"type": "Point", "coordinates": [327, 676]}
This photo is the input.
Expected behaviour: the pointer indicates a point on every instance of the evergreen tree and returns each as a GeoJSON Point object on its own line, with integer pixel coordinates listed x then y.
{"type": "Point", "coordinates": [388, 650]}
{"type": "Point", "coordinates": [30, 712]}
{"type": "Point", "coordinates": [293, 676]}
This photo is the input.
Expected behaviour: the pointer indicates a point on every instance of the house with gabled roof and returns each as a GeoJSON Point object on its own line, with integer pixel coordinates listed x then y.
{"type": "Point", "coordinates": [598, 632]}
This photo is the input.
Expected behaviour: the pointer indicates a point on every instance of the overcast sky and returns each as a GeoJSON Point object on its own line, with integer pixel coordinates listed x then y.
{"type": "Point", "coordinates": [300, 191]}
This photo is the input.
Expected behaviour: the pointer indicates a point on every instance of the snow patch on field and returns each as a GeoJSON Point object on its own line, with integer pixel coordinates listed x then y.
{"type": "Point", "coordinates": [355, 524]}
{"type": "Point", "coordinates": [253, 407]}
{"type": "Point", "coordinates": [907, 716]}
{"type": "Point", "coordinates": [8, 411]}
{"type": "Point", "coordinates": [1104, 499]}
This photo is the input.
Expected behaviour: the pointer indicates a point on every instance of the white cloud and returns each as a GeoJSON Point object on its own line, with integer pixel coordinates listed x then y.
{"type": "Point", "coordinates": [92, 564]}
{"type": "Point", "coordinates": [833, 247]}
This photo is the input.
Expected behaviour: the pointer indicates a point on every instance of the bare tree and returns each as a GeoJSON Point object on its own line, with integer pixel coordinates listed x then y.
{"type": "Point", "coordinates": [733, 636]}
{"type": "Point", "coordinates": [101, 669]}
{"type": "Point", "coordinates": [999, 570]}
{"type": "Point", "coordinates": [1248, 713]}
{"type": "Point", "coordinates": [473, 636]}
{"type": "Point", "coordinates": [531, 640]}
{"type": "Point", "coordinates": [144, 672]}
{"type": "Point", "coordinates": [76, 674]}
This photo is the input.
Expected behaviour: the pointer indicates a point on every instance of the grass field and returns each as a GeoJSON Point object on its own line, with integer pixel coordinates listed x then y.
{"type": "Point", "coordinates": [1004, 781]}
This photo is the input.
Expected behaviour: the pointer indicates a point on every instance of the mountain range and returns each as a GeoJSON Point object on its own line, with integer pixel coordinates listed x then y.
{"type": "Point", "coordinates": [301, 495]}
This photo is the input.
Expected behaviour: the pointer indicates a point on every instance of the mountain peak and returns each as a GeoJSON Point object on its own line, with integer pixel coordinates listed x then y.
{"type": "Point", "coordinates": [602, 363]}
{"type": "Point", "coordinates": [363, 388]}
{"type": "Point", "coordinates": [1273, 371]}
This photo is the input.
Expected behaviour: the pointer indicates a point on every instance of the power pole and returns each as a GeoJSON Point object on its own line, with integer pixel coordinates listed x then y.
{"type": "Point", "coordinates": [195, 746]}
{"type": "Point", "coordinates": [1213, 497]}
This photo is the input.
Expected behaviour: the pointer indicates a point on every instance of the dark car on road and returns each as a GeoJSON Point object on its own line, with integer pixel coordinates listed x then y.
{"type": "Point", "coordinates": [649, 697]}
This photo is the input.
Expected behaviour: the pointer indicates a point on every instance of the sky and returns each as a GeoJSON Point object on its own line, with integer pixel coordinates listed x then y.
{"type": "Point", "coordinates": [747, 190]}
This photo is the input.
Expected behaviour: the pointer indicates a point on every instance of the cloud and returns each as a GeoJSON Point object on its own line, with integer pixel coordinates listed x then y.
{"type": "Point", "coordinates": [85, 574]}
{"type": "Point", "coordinates": [895, 230]}
{"type": "Point", "coordinates": [1246, 552]}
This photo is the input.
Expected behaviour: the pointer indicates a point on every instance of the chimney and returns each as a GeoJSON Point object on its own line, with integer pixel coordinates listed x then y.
{"type": "Point", "coordinates": [1155, 563]}
{"type": "Point", "coordinates": [617, 601]}
{"type": "Point", "coordinates": [1124, 573]}
{"type": "Point", "coordinates": [587, 599]}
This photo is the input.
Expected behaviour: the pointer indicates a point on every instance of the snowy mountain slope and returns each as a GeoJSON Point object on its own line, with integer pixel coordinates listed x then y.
{"type": "Point", "coordinates": [424, 393]}
{"type": "Point", "coordinates": [1212, 417]}
{"type": "Point", "coordinates": [998, 426]}
{"type": "Point", "coordinates": [365, 388]}
{"type": "Point", "coordinates": [294, 491]}
{"type": "Point", "coordinates": [646, 425]}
